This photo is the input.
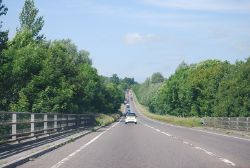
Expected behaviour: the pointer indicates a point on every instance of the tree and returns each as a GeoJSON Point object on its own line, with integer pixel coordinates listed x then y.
{"type": "Point", "coordinates": [23, 60]}
{"type": "Point", "coordinates": [83, 57]}
{"type": "Point", "coordinates": [157, 78]}
{"type": "Point", "coordinates": [3, 34]}
{"type": "Point", "coordinates": [43, 76]}
{"type": "Point", "coordinates": [3, 45]}
{"type": "Point", "coordinates": [209, 88]}
{"type": "Point", "coordinates": [233, 98]}
{"type": "Point", "coordinates": [115, 79]}
{"type": "Point", "coordinates": [29, 19]}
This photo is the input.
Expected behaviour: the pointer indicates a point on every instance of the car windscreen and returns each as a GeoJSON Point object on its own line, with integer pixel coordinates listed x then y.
{"type": "Point", "coordinates": [131, 114]}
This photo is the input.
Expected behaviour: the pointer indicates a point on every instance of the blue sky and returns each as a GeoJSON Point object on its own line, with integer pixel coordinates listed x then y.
{"type": "Point", "coordinates": [136, 38]}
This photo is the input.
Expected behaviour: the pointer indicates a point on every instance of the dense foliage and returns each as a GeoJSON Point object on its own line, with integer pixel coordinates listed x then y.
{"type": "Point", "coordinates": [146, 90]}
{"type": "Point", "coordinates": [210, 88]}
{"type": "Point", "coordinates": [50, 76]}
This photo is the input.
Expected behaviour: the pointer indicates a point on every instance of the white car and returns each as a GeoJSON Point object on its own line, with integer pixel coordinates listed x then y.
{"type": "Point", "coordinates": [130, 118]}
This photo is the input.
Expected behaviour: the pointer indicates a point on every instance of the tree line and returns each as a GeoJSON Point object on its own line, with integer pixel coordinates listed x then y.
{"type": "Point", "coordinates": [209, 88]}
{"type": "Point", "coordinates": [39, 75]}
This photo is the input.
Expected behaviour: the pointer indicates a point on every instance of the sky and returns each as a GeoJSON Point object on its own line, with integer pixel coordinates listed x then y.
{"type": "Point", "coordinates": [135, 38]}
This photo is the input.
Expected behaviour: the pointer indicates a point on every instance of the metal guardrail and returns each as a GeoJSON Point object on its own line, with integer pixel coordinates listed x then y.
{"type": "Point", "coordinates": [16, 126]}
{"type": "Point", "coordinates": [232, 123]}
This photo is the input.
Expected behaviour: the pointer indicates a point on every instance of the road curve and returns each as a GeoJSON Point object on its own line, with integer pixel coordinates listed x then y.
{"type": "Point", "coordinates": [149, 144]}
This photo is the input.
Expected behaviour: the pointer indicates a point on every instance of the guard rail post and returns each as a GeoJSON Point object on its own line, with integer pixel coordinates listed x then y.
{"type": "Point", "coordinates": [32, 124]}
{"type": "Point", "coordinates": [45, 123]}
{"type": "Point", "coordinates": [55, 122]}
{"type": "Point", "coordinates": [13, 130]}
{"type": "Point", "coordinates": [77, 117]}
{"type": "Point", "coordinates": [237, 123]}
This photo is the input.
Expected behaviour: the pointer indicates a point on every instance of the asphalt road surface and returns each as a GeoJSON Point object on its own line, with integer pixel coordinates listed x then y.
{"type": "Point", "coordinates": [149, 144]}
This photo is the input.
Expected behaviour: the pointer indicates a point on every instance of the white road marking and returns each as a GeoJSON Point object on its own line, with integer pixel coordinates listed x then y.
{"type": "Point", "coordinates": [166, 133]}
{"type": "Point", "coordinates": [228, 136]}
{"type": "Point", "coordinates": [60, 163]}
{"type": "Point", "coordinates": [228, 162]}
{"type": "Point", "coordinates": [157, 130]}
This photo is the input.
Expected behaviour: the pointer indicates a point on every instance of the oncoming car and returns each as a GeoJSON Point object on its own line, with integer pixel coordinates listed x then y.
{"type": "Point", "coordinates": [130, 118]}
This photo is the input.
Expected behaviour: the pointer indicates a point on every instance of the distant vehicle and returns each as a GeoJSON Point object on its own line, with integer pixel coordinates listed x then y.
{"type": "Point", "coordinates": [130, 118]}
{"type": "Point", "coordinates": [127, 111]}
{"type": "Point", "coordinates": [127, 105]}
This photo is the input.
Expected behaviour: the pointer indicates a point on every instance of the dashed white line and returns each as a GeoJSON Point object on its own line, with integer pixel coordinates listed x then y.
{"type": "Point", "coordinates": [166, 134]}
{"type": "Point", "coordinates": [228, 162]}
{"type": "Point", "coordinates": [60, 163]}
{"type": "Point", "coordinates": [218, 134]}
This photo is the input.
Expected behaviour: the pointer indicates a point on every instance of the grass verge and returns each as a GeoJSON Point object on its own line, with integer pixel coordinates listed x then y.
{"type": "Point", "coordinates": [106, 119]}
{"type": "Point", "coordinates": [187, 122]}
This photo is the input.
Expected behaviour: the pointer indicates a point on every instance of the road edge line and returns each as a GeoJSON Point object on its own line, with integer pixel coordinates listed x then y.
{"type": "Point", "coordinates": [58, 164]}
{"type": "Point", "coordinates": [194, 129]}
{"type": "Point", "coordinates": [27, 158]}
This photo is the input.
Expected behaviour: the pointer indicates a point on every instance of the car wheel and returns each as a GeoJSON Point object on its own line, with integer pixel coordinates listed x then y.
{"type": "Point", "coordinates": [135, 122]}
{"type": "Point", "coordinates": [125, 122]}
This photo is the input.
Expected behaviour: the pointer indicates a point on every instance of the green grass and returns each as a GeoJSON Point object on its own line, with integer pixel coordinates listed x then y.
{"type": "Point", "coordinates": [187, 122]}
{"type": "Point", "coordinates": [106, 119]}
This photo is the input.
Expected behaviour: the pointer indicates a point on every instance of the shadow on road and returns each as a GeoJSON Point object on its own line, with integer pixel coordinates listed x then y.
{"type": "Point", "coordinates": [8, 150]}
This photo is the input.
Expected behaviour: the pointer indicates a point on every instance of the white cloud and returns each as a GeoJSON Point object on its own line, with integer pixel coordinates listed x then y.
{"type": "Point", "coordinates": [204, 5]}
{"type": "Point", "coordinates": [136, 38]}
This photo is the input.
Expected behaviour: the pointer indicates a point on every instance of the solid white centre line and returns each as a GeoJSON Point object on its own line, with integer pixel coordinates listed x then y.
{"type": "Point", "coordinates": [57, 165]}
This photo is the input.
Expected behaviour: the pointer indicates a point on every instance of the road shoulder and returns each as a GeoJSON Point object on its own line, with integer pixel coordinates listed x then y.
{"type": "Point", "coordinates": [212, 130]}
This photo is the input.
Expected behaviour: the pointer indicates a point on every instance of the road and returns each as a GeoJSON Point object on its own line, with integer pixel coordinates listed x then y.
{"type": "Point", "coordinates": [149, 144]}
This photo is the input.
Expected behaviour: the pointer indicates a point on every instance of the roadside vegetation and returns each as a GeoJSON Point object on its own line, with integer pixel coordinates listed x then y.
{"type": "Point", "coordinates": [211, 88]}
{"type": "Point", "coordinates": [39, 75]}
{"type": "Point", "coordinates": [52, 76]}
{"type": "Point", "coordinates": [106, 119]}
{"type": "Point", "coordinates": [187, 121]}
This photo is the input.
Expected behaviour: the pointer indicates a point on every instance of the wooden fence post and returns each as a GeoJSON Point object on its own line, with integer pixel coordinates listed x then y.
{"type": "Point", "coordinates": [32, 124]}
{"type": "Point", "coordinates": [77, 124]}
{"type": "Point", "coordinates": [13, 130]}
{"type": "Point", "coordinates": [45, 123]}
